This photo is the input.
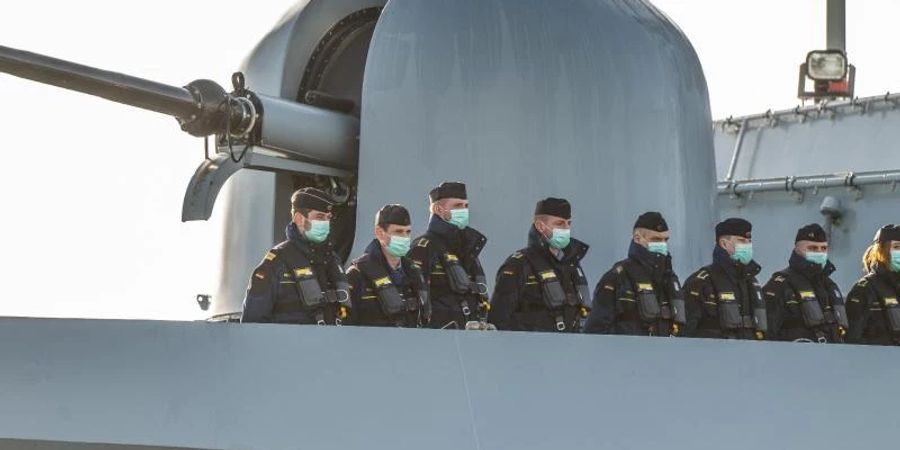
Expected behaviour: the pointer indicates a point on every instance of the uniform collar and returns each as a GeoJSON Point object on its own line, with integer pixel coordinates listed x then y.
{"type": "Point", "coordinates": [574, 251]}
{"type": "Point", "coordinates": [733, 268]}
{"type": "Point", "coordinates": [809, 269]}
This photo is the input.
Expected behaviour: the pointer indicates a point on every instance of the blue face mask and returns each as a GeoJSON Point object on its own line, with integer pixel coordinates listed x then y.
{"type": "Point", "coordinates": [398, 246]}
{"type": "Point", "coordinates": [660, 248]}
{"type": "Point", "coordinates": [318, 231]}
{"type": "Point", "coordinates": [895, 260]}
{"type": "Point", "coordinates": [819, 258]}
{"type": "Point", "coordinates": [560, 238]}
{"type": "Point", "coordinates": [459, 217]}
{"type": "Point", "coordinates": [743, 253]}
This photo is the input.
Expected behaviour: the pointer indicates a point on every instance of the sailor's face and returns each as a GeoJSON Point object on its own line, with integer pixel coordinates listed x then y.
{"type": "Point", "coordinates": [644, 236]}
{"type": "Point", "coordinates": [728, 243]}
{"type": "Point", "coordinates": [444, 206]}
{"type": "Point", "coordinates": [384, 235]}
{"type": "Point", "coordinates": [303, 222]}
{"type": "Point", "coordinates": [547, 224]}
{"type": "Point", "coordinates": [804, 247]}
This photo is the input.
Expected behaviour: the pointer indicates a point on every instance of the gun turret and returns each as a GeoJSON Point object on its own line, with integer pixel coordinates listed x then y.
{"type": "Point", "coordinates": [273, 133]}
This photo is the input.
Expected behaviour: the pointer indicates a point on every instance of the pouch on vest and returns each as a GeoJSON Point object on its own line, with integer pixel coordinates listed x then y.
{"type": "Point", "coordinates": [892, 313]}
{"type": "Point", "coordinates": [760, 320]}
{"type": "Point", "coordinates": [730, 317]}
{"type": "Point", "coordinates": [308, 287]}
{"type": "Point", "coordinates": [840, 316]}
{"type": "Point", "coordinates": [457, 278]}
{"type": "Point", "coordinates": [648, 305]}
{"type": "Point", "coordinates": [389, 297]}
{"type": "Point", "coordinates": [679, 310]}
{"type": "Point", "coordinates": [810, 309]}
{"type": "Point", "coordinates": [891, 307]}
{"type": "Point", "coordinates": [554, 295]}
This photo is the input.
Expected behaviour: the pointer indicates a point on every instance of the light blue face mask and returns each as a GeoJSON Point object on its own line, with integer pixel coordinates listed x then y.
{"type": "Point", "coordinates": [660, 248]}
{"type": "Point", "coordinates": [743, 253]}
{"type": "Point", "coordinates": [819, 258]}
{"type": "Point", "coordinates": [560, 238]}
{"type": "Point", "coordinates": [459, 217]}
{"type": "Point", "coordinates": [895, 260]}
{"type": "Point", "coordinates": [318, 231]}
{"type": "Point", "coordinates": [398, 246]}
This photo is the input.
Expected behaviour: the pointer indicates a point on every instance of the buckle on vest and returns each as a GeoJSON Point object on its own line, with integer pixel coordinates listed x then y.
{"type": "Point", "coordinates": [321, 322]}
{"type": "Point", "coordinates": [465, 309]}
{"type": "Point", "coordinates": [560, 325]}
{"type": "Point", "coordinates": [338, 322]}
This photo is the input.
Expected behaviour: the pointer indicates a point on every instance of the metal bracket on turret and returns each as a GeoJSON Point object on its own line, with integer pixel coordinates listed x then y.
{"type": "Point", "coordinates": [212, 174]}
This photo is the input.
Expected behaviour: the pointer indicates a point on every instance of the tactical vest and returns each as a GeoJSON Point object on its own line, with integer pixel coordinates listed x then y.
{"type": "Point", "coordinates": [554, 294]}
{"type": "Point", "coordinates": [886, 297]}
{"type": "Point", "coordinates": [467, 286]}
{"type": "Point", "coordinates": [734, 315]}
{"type": "Point", "coordinates": [306, 292]}
{"type": "Point", "coordinates": [652, 305]}
{"type": "Point", "coordinates": [815, 312]}
{"type": "Point", "coordinates": [398, 305]}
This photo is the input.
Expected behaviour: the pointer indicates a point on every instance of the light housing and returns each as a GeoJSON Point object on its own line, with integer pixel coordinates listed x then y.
{"type": "Point", "coordinates": [826, 65]}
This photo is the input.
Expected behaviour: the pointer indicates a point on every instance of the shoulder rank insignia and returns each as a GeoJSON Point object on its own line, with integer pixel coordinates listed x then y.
{"type": "Point", "coordinates": [423, 242]}
{"type": "Point", "coordinates": [778, 278]}
{"type": "Point", "coordinates": [517, 255]}
{"type": "Point", "coordinates": [508, 272]}
{"type": "Point", "coordinates": [618, 269]}
{"type": "Point", "coordinates": [863, 282]}
{"type": "Point", "coordinates": [609, 287]}
{"type": "Point", "coordinates": [259, 275]}
{"type": "Point", "coordinates": [702, 275]}
{"type": "Point", "coordinates": [383, 281]}
{"type": "Point", "coordinates": [270, 256]}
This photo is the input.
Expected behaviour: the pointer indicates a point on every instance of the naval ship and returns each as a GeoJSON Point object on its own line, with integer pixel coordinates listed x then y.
{"type": "Point", "coordinates": [488, 92]}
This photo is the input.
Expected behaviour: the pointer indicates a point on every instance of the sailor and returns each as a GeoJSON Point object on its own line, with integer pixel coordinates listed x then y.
{"type": "Point", "coordinates": [448, 256]}
{"type": "Point", "coordinates": [300, 280]}
{"type": "Point", "coordinates": [640, 295]}
{"type": "Point", "coordinates": [872, 304]}
{"type": "Point", "coordinates": [802, 302]}
{"type": "Point", "coordinates": [724, 298]}
{"type": "Point", "coordinates": [386, 287]}
{"type": "Point", "coordinates": [542, 286]}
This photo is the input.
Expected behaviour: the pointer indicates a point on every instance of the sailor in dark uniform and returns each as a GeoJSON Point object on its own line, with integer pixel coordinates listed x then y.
{"type": "Point", "coordinates": [873, 304]}
{"type": "Point", "coordinates": [386, 287]}
{"type": "Point", "coordinates": [448, 256]}
{"type": "Point", "coordinates": [640, 295]}
{"type": "Point", "coordinates": [300, 281]}
{"type": "Point", "coordinates": [724, 298]}
{"type": "Point", "coordinates": [542, 286]}
{"type": "Point", "coordinates": [802, 302]}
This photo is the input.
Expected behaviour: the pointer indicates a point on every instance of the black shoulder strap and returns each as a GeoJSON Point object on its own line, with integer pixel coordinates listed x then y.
{"type": "Point", "coordinates": [882, 289]}
{"type": "Point", "coordinates": [371, 270]}
{"type": "Point", "coordinates": [293, 257]}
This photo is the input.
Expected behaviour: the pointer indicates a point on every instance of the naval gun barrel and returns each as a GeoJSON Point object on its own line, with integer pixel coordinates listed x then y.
{"type": "Point", "coordinates": [203, 108]}
{"type": "Point", "coordinates": [120, 88]}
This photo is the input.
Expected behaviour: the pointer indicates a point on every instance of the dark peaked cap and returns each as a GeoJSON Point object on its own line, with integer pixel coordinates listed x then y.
{"type": "Point", "coordinates": [734, 226]}
{"type": "Point", "coordinates": [448, 189]}
{"type": "Point", "coordinates": [311, 198]}
{"type": "Point", "coordinates": [551, 206]}
{"type": "Point", "coordinates": [812, 232]}
{"type": "Point", "coordinates": [652, 221]}
{"type": "Point", "coordinates": [888, 233]}
{"type": "Point", "coordinates": [393, 215]}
